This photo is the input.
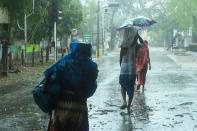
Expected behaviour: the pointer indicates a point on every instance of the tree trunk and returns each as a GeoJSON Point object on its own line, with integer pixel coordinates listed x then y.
{"type": "Point", "coordinates": [61, 46]}
{"type": "Point", "coordinates": [10, 61]}
{"type": "Point", "coordinates": [48, 49]}
{"type": "Point", "coordinates": [47, 53]}
{"type": "Point", "coordinates": [42, 58]}
{"type": "Point", "coordinates": [5, 59]}
{"type": "Point", "coordinates": [22, 57]}
{"type": "Point", "coordinates": [33, 56]}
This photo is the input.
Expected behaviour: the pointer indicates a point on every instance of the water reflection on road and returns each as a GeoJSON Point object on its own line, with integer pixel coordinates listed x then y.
{"type": "Point", "coordinates": [168, 104]}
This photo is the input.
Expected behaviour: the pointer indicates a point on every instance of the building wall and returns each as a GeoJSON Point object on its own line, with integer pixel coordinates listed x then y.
{"type": "Point", "coordinates": [194, 38]}
{"type": "Point", "coordinates": [4, 16]}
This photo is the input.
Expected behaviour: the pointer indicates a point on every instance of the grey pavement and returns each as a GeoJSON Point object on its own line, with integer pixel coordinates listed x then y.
{"type": "Point", "coordinates": [184, 58]}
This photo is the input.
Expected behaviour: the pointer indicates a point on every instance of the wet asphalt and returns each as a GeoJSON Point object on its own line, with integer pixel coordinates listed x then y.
{"type": "Point", "coordinates": [169, 102]}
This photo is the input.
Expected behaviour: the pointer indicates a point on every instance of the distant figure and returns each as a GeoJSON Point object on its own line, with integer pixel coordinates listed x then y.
{"type": "Point", "coordinates": [142, 62]}
{"type": "Point", "coordinates": [129, 48]}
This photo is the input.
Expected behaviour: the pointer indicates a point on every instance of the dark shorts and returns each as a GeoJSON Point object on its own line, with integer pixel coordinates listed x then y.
{"type": "Point", "coordinates": [127, 82]}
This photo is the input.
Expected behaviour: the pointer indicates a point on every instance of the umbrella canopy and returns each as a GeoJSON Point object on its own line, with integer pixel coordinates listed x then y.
{"type": "Point", "coordinates": [140, 22]}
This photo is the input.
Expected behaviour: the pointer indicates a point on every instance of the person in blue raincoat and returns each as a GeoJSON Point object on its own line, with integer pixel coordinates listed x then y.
{"type": "Point", "coordinates": [77, 73]}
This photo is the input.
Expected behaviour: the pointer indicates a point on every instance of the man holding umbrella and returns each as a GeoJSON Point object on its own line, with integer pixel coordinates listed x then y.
{"type": "Point", "coordinates": [129, 48]}
{"type": "Point", "coordinates": [128, 52]}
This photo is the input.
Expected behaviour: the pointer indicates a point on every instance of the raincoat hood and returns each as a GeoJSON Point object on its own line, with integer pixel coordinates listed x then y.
{"type": "Point", "coordinates": [80, 49]}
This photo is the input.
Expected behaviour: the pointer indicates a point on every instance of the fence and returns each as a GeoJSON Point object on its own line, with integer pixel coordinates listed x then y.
{"type": "Point", "coordinates": [29, 54]}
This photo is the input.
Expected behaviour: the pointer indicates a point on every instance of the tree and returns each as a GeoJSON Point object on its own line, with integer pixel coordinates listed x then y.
{"type": "Point", "coordinates": [40, 24]}
{"type": "Point", "coordinates": [188, 16]}
{"type": "Point", "coordinates": [179, 15]}
{"type": "Point", "coordinates": [89, 17]}
{"type": "Point", "coordinates": [15, 9]}
{"type": "Point", "coordinates": [71, 16]}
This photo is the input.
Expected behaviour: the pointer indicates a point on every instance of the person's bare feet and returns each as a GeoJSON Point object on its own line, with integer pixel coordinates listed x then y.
{"type": "Point", "coordinates": [143, 88]}
{"type": "Point", "coordinates": [124, 105]}
{"type": "Point", "coordinates": [129, 110]}
{"type": "Point", "coordinates": [138, 87]}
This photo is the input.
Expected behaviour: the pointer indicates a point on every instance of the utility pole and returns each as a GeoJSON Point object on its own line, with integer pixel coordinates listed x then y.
{"type": "Point", "coordinates": [55, 40]}
{"type": "Point", "coordinates": [98, 42]}
{"type": "Point", "coordinates": [103, 23]}
{"type": "Point", "coordinates": [25, 22]}
{"type": "Point", "coordinates": [103, 28]}
{"type": "Point", "coordinates": [56, 17]}
{"type": "Point", "coordinates": [103, 31]}
{"type": "Point", "coordinates": [25, 29]}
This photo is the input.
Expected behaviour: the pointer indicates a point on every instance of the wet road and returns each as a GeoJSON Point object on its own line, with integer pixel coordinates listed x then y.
{"type": "Point", "coordinates": [169, 102]}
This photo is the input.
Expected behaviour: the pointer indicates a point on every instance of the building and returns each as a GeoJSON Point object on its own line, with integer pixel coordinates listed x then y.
{"type": "Point", "coordinates": [4, 22]}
